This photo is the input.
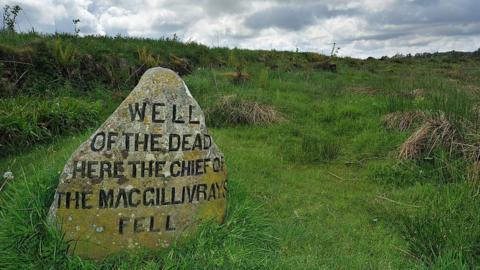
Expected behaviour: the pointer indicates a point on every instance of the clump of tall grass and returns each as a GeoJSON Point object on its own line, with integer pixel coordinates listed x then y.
{"type": "Point", "coordinates": [403, 120]}
{"type": "Point", "coordinates": [456, 136]}
{"type": "Point", "coordinates": [237, 77]}
{"type": "Point", "coordinates": [263, 79]}
{"type": "Point", "coordinates": [147, 58]}
{"type": "Point", "coordinates": [180, 65]}
{"type": "Point", "coordinates": [64, 53]}
{"type": "Point", "coordinates": [232, 111]}
{"type": "Point", "coordinates": [442, 225]}
{"type": "Point", "coordinates": [25, 121]}
{"type": "Point", "coordinates": [313, 149]}
{"type": "Point", "coordinates": [437, 130]}
{"type": "Point", "coordinates": [444, 118]}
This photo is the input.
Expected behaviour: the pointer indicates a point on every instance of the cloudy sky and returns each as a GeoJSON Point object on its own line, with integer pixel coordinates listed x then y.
{"type": "Point", "coordinates": [361, 28]}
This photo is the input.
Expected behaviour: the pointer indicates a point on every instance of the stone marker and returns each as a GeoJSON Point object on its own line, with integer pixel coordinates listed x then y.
{"type": "Point", "coordinates": [146, 177]}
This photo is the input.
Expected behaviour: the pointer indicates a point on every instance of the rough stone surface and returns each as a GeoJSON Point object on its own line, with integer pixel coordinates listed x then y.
{"type": "Point", "coordinates": [146, 177]}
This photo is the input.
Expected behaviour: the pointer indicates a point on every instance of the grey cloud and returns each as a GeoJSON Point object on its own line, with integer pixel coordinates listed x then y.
{"type": "Point", "coordinates": [285, 17]}
{"type": "Point", "coordinates": [218, 7]}
{"type": "Point", "coordinates": [292, 16]}
{"type": "Point", "coordinates": [435, 30]}
{"type": "Point", "coordinates": [428, 12]}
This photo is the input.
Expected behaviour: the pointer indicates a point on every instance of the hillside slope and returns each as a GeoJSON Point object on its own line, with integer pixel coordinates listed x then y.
{"type": "Point", "coordinates": [371, 164]}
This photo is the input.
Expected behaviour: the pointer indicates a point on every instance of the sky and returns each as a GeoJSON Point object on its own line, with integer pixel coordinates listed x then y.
{"type": "Point", "coordinates": [360, 28]}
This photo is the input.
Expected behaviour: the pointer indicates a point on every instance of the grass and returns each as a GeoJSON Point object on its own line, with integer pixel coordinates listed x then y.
{"type": "Point", "coordinates": [245, 240]}
{"type": "Point", "coordinates": [323, 189]}
{"type": "Point", "coordinates": [26, 121]}
{"type": "Point", "coordinates": [234, 111]}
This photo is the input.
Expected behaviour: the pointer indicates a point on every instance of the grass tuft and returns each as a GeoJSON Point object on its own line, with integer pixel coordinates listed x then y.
{"type": "Point", "coordinates": [26, 121]}
{"type": "Point", "coordinates": [233, 111]}
{"type": "Point", "coordinates": [314, 150]}
{"type": "Point", "coordinates": [436, 131]}
{"type": "Point", "coordinates": [403, 121]}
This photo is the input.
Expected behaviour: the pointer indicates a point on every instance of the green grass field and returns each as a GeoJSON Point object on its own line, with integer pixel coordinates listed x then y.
{"type": "Point", "coordinates": [324, 189]}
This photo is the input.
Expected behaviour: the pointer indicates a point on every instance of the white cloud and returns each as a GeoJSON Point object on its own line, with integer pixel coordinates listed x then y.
{"type": "Point", "coordinates": [360, 27]}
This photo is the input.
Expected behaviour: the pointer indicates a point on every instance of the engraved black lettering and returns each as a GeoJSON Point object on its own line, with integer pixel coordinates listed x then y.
{"type": "Point", "coordinates": [158, 168]}
{"type": "Point", "coordinates": [212, 192]}
{"type": "Point", "coordinates": [147, 168]}
{"type": "Point", "coordinates": [174, 115]}
{"type": "Point", "coordinates": [164, 201]}
{"type": "Point", "coordinates": [118, 169]}
{"type": "Point", "coordinates": [105, 168]}
{"type": "Point", "coordinates": [68, 195]}
{"type": "Point", "coordinates": [111, 139]}
{"type": "Point", "coordinates": [127, 140]}
{"type": "Point", "coordinates": [76, 169]}
{"type": "Point", "coordinates": [173, 197]}
{"type": "Point", "coordinates": [134, 165]}
{"type": "Point", "coordinates": [173, 146]}
{"type": "Point", "coordinates": [175, 163]}
{"type": "Point", "coordinates": [216, 164]}
{"type": "Point", "coordinates": [85, 197]}
{"type": "Point", "coordinates": [138, 142]}
{"type": "Point", "coordinates": [105, 198]}
{"type": "Point", "coordinates": [169, 224]}
{"type": "Point", "coordinates": [197, 143]}
{"type": "Point", "coordinates": [122, 222]}
{"type": "Point", "coordinates": [207, 141]}
{"type": "Point", "coordinates": [59, 199]}
{"type": "Point", "coordinates": [185, 146]}
{"type": "Point", "coordinates": [121, 197]}
{"type": "Point", "coordinates": [152, 225]}
{"type": "Point", "coordinates": [186, 167]}
{"type": "Point", "coordinates": [91, 168]}
{"type": "Point", "coordinates": [155, 113]}
{"type": "Point", "coordinates": [190, 114]}
{"type": "Point", "coordinates": [201, 189]}
{"type": "Point", "coordinates": [131, 202]}
{"type": "Point", "coordinates": [98, 146]}
{"type": "Point", "coordinates": [137, 111]}
{"type": "Point", "coordinates": [199, 166]}
{"type": "Point", "coordinates": [191, 193]}
{"type": "Point", "coordinates": [154, 143]}
{"type": "Point", "coordinates": [138, 225]}
{"type": "Point", "coordinates": [150, 201]}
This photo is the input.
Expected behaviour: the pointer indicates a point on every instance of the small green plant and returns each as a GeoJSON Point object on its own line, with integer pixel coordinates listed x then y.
{"type": "Point", "coordinates": [146, 57]}
{"type": "Point", "coordinates": [314, 149]}
{"type": "Point", "coordinates": [76, 30]}
{"type": "Point", "coordinates": [233, 60]}
{"type": "Point", "coordinates": [180, 65]}
{"type": "Point", "coordinates": [65, 56]}
{"type": "Point", "coordinates": [263, 78]}
{"type": "Point", "coordinates": [10, 17]}
{"type": "Point", "coordinates": [330, 150]}
{"type": "Point", "coordinates": [335, 50]}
